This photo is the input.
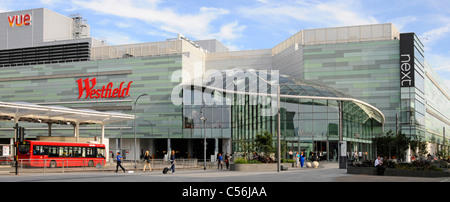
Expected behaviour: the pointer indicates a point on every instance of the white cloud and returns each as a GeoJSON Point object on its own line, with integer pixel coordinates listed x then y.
{"type": "Point", "coordinates": [323, 14]}
{"type": "Point", "coordinates": [438, 62]}
{"type": "Point", "coordinates": [196, 25]}
{"type": "Point", "coordinates": [401, 22]}
{"type": "Point", "coordinates": [229, 31]}
{"type": "Point", "coordinates": [431, 37]}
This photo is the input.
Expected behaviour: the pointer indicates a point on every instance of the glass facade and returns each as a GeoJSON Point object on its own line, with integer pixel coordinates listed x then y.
{"type": "Point", "coordinates": [368, 71]}
{"type": "Point", "coordinates": [55, 84]}
{"type": "Point", "coordinates": [309, 121]}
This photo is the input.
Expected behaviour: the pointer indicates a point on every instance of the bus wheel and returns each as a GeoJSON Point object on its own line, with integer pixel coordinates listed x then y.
{"type": "Point", "coordinates": [53, 164]}
{"type": "Point", "coordinates": [91, 163]}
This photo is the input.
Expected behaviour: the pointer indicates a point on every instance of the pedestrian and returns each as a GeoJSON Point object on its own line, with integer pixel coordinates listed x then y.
{"type": "Point", "coordinates": [302, 159]}
{"type": "Point", "coordinates": [227, 160]}
{"type": "Point", "coordinates": [220, 162]}
{"type": "Point", "coordinates": [172, 162]}
{"type": "Point", "coordinates": [119, 162]}
{"type": "Point", "coordinates": [379, 165]}
{"type": "Point", "coordinates": [297, 159]}
{"type": "Point", "coordinates": [147, 161]}
{"type": "Point", "coordinates": [290, 154]}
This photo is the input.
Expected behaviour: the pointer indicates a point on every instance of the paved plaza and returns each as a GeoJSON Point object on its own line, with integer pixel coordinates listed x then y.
{"type": "Point", "coordinates": [327, 172]}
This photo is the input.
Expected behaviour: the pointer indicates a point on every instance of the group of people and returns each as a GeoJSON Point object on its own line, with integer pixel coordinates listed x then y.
{"type": "Point", "coordinates": [300, 158]}
{"type": "Point", "coordinates": [147, 159]}
{"type": "Point", "coordinates": [221, 159]}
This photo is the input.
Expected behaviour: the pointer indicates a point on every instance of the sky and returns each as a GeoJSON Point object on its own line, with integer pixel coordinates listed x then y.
{"type": "Point", "coordinates": [253, 24]}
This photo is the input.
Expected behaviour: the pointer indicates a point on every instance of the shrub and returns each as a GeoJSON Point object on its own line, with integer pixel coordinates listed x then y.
{"type": "Point", "coordinates": [240, 161]}
{"type": "Point", "coordinates": [254, 162]}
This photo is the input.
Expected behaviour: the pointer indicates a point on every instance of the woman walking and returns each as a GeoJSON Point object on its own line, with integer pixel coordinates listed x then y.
{"type": "Point", "coordinates": [302, 159]}
{"type": "Point", "coordinates": [297, 159]}
{"type": "Point", "coordinates": [147, 161]}
{"type": "Point", "coordinates": [172, 162]}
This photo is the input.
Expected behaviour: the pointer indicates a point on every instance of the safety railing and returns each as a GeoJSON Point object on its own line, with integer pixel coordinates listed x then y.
{"type": "Point", "coordinates": [101, 165]}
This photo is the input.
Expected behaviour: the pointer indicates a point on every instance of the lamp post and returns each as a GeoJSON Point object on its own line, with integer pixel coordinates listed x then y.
{"type": "Point", "coordinates": [203, 118]}
{"type": "Point", "coordinates": [169, 118]}
{"type": "Point", "coordinates": [279, 130]}
{"type": "Point", "coordinates": [135, 149]}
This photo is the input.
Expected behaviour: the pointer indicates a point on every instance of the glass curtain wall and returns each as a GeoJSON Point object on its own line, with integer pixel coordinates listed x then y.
{"type": "Point", "coordinates": [311, 125]}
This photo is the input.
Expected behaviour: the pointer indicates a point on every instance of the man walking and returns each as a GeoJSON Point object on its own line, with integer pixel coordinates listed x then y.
{"type": "Point", "coordinates": [119, 162]}
{"type": "Point", "coordinates": [379, 165]}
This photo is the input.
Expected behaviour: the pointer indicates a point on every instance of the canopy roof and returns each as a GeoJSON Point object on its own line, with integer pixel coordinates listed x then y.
{"type": "Point", "coordinates": [23, 111]}
{"type": "Point", "coordinates": [250, 81]}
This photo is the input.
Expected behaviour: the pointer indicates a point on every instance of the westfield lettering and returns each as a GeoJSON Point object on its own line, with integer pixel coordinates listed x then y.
{"type": "Point", "coordinates": [19, 20]}
{"type": "Point", "coordinates": [106, 91]}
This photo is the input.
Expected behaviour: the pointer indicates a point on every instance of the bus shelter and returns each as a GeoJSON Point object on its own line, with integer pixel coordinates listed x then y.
{"type": "Point", "coordinates": [22, 111]}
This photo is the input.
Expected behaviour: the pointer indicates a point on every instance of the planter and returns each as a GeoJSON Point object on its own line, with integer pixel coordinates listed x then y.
{"type": "Point", "coordinates": [396, 172]}
{"type": "Point", "coordinates": [257, 167]}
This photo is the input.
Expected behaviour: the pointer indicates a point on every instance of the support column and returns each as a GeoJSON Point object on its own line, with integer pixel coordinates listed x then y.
{"type": "Point", "coordinates": [342, 143]}
{"type": "Point", "coordinates": [216, 147]}
{"type": "Point", "coordinates": [49, 129]}
{"type": "Point", "coordinates": [103, 134]}
{"type": "Point", "coordinates": [189, 146]}
{"type": "Point", "coordinates": [76, 132]}
{"type": "Point", "coordinates": [169, 148]}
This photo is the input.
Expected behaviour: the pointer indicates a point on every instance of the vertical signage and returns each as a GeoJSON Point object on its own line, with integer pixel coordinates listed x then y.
{"type": "Point", "coordinates": [407, 60]}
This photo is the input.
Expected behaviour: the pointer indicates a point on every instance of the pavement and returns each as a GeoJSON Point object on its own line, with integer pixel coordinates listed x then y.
{"type": "Point", "coordinates": [327, 172]}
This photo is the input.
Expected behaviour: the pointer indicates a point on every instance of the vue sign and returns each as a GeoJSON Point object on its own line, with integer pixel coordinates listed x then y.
{"type": "Point", "coordinates": [19, 20]}
{"type": "Point", "coordinates": [104, 92]}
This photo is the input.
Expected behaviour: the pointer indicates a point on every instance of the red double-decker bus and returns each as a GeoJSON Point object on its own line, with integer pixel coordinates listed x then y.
{"type": "Point", "coordinates": [58, 154]}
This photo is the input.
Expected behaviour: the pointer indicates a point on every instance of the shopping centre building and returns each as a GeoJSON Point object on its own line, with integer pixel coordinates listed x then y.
{"type": "Point", "coordinates": [337, 85]}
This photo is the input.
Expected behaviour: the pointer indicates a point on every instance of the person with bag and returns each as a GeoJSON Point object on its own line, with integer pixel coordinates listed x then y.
{"type": "Point", "coordinates": [119, 162]}
{"type": "Point", "coordinates": [227, 160]}
{"type": "Point", "coordinates": [172, 162]}
{"type": "Point", "coordinates": [147, 159]}
{"type": "Point", "coordinates": [220, 162]}
{"type": "Point", "coordinates": [297, 159]}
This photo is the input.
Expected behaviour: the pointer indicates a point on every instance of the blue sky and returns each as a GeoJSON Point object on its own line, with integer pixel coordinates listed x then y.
{"type": "Point", "coordinates": [253, 24]}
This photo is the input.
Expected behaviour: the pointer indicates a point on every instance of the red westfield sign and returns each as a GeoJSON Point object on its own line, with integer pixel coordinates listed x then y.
{"type": "Point", "coordinates": [105, 92]}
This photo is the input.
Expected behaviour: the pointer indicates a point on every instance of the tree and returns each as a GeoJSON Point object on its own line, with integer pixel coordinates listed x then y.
{"type": "Point", "coordinates": [392, 145]}
{"type": "Point", "coordinates": [264, 143]}
{"type": "Point", "coordinates": [418, 147]}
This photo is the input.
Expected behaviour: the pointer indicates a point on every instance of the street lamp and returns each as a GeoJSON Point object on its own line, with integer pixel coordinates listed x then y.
{"type": "Point", "coordinates": [169, 118]}
{"type": "Point", "coordinates": [135, 149]}
{"type": "Point", "coordinates": [279, 129]}
{"type": "Point", "coordinates": [203, 118]}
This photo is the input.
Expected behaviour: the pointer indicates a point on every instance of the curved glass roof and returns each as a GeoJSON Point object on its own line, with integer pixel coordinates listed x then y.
{"type": "Point", "coordinates": [263, 82]}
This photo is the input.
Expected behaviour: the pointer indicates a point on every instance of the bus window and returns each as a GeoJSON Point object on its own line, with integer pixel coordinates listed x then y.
{"type": "Point", "coordinates": [100, 152]}
{"type": "Point", "coordinates": [89, 152]}
{"type": "Point", "coordinates": [70, 152]}
{"type": "Point", "coordinates": [45, 150]}
{"type": "Point", "coordinates": [63, 151]}
{"type": "Point", "coordinates": [53, 152]}
{"type": "Point", "coordinates": [38, 150]}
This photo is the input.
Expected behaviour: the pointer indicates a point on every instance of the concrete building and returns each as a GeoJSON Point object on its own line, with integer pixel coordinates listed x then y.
{"type": "Point", "coordinates": [345, 84]}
